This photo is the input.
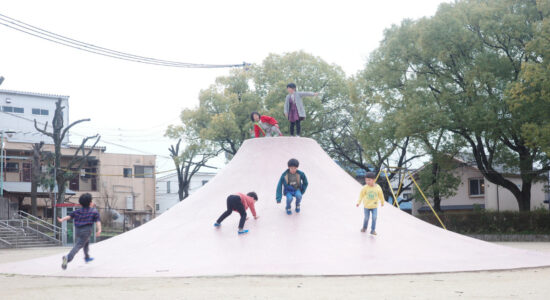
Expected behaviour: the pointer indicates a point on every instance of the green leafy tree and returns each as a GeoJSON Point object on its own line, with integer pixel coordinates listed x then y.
{"type": "Point", "coordinates": [461, 62]}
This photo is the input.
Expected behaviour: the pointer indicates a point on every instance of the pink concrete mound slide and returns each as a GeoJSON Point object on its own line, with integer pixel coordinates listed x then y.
{"type": "Point", "coordinates": [323, 239]}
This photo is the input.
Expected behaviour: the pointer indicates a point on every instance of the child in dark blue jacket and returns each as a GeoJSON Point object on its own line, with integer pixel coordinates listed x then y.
{"type": "Point", "coordinates": [293, 183]}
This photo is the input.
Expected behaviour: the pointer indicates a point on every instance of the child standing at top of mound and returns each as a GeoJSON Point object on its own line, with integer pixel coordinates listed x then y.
{"type": "Point", "coordinates": [240, 203]}
{"type": "Point", "coordinates": [265, 125]}
{"type": "Point", "coordinates": [84, 220]}
{"type": "Point", "coordinates": [371, 194]}
{"type": "Point", "coordinates": [293, 183]}
{"type": "Point", "coordinates": [294, 107]}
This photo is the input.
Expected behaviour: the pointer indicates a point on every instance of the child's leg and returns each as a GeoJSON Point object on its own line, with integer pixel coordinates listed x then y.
{"type": "Point", "coordinates": [87, 249]}
{"type": "Point", "coordinates": [288, 200]}
{"type": "Point", "coordinates": [374, 215]}
{"type": "Point", "coordinates": [82, 237]}
{"type": "Point", "coordinates": [298, 128]}
{"type": "Point", "coordinates": [366, 220]}
{"type": "Point", "coordinates": [298, 195]}
{"type": "Point", "coordinates": [292, 128]}
{"type": "Point", "coordinates": [275, 131]}
{"type": "Point", "coordinates": [230, 206]}
{"type": "Point", "coordinates": [242, 212]}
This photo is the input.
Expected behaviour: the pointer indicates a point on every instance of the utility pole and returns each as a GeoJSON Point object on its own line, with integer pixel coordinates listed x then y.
{"type": "Point", "coordinates": [2, 155]}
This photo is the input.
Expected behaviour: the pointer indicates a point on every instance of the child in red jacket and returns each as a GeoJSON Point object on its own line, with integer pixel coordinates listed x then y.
{"type": "Point", "coordinates": [240, 203]}
{"type": "Point", "coordinates": [265, 125]}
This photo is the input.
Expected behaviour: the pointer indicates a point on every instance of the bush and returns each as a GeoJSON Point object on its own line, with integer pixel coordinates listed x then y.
{"type": "Point", "coordinates": [484, 222]}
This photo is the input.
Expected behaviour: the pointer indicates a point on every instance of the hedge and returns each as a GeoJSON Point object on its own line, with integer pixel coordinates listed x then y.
{"type": "Point", "coordinates": [488, 222]}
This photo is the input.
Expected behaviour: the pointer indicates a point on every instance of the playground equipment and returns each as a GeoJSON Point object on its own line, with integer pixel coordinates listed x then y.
{"type": "Point", "coordinates": [323, 239]}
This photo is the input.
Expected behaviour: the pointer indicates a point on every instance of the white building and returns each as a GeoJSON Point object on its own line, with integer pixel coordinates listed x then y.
{"type": "Point", "coordinates": [167, 189]}
{"type": "Point", "coordinates": [474, 191]}
{"type": "Point", "coordinates": [18, 110]}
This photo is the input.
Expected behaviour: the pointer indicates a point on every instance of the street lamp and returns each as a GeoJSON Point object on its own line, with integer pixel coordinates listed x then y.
{"type": "Point", "coordinates": [2, 156]}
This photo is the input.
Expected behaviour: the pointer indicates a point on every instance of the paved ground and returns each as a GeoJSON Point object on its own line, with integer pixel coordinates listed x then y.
{"type": "Point", "coordinates": [518, 284]}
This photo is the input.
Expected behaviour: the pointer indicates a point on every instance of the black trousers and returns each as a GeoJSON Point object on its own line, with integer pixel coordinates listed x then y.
{"type": "Point", "coordinates": [298, 128]}
{"type": "Point", "coordinates": [234, 203]}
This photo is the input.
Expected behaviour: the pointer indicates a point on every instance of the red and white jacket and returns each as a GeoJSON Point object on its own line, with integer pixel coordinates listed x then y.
{"type": "Point", "coordinates": [248, 202]}
{"type": "Point", "coordinates": [264, 119]}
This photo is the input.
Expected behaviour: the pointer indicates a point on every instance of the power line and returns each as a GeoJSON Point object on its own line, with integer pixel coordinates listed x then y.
{"type": "Point", "coordinates": [83, 135]}
{"type": "Point", "coordinates": [69, 42]}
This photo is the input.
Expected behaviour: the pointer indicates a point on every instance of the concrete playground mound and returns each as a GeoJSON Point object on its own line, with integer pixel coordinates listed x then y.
{"type": "Point", "coordinates": [323, 239]}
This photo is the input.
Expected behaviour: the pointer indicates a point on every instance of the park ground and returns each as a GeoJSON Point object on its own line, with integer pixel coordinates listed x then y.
{"type": "Point", "coordinates": [513, 284]}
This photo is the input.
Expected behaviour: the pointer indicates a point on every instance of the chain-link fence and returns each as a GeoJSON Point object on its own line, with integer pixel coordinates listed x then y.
{"type": "Point", "coordinates": [117, 221]}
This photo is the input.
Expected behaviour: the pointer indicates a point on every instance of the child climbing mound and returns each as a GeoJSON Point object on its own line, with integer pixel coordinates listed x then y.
{"type": "Point", "coordinates": [84, 220]}
{"type": "Point", "coordinates": [294, 107]}
{"type": "Point", "coordinates": [293, 183]}
{"type": "Point", "coordinates": [240, 203]}
{"type": "Point", "coordinates": [265, 125]}
{"type": "Point", "coordinates": [371, 195]}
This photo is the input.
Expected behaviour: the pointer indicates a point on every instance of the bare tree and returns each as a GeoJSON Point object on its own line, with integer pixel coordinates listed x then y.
{"type": "Point", "coordinates": [194, 157]}
{"type": "Point", "coordinates": [36, 173]}
{"type": "Point", "coordinates": [79, 158]}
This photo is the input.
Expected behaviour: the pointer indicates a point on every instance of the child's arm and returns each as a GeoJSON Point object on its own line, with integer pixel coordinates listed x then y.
{"type": "Point", "coordinates": [286, 106]}
{"type": "Point", "coordinates": [61, 220]}
{"type": "Point", "coordinates": [253, 209]}
{"type": "Point", "coordinates": [381, 196]}
{"type": "Point", "coordinates": [257, 130]}
{"type": "Point", "coordinates": [304, 183]}
{"type": "Point", "coordinates": [98, 226]}
{"type": "Point", "coordinates": [361, 194]}
{"type": "Point", "coordinates": [279, 194]}
{"type": "Point", "coordinates": [307, 94]}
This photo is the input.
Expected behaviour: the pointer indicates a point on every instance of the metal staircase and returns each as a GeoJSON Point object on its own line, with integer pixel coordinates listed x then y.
{"type": "Point", "coordinates": [28, 231]}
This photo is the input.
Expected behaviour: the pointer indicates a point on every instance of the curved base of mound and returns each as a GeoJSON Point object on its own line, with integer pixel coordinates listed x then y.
{"type": "Point", "coordinates": [324, 239]}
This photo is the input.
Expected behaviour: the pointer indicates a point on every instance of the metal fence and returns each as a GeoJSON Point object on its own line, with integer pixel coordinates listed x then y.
{"type": "Point", "coordinates": [117, 221]}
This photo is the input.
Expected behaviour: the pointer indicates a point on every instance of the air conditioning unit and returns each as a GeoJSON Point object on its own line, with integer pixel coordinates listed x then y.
{"type": "Point", "coordinates": [82, 172]}
{"type": "Point", "coordinates": [129, 202]}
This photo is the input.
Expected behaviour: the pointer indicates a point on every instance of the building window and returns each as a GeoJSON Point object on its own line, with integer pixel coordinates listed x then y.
{"type": "Point", "coordinates": [477, 187]}
{"type": "Point", "coordinates": [38, 111]}
{"type": "Point", "coordinates": [157, 207]}
{"type": "Point", "coordinates": [144, 171]}
{"type": "Point", "coordinates": [204, 182]}
{"type": "Point", "coordinates": [11, 167]}
{"type": "Point", "coordinates": [13, 109]}
{"type": "Point", "coordinates": [167, 187]}
{"type": "Point", "coordinates": [127, 172]}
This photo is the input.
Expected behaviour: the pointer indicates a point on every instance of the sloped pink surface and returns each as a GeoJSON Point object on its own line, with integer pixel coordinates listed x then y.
{"type": "Point", "coordinates": [324, 239]}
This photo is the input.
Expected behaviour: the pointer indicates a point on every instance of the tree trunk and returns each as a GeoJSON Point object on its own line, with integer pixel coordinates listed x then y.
{"type": "Point", "coordinates": [436, 195]}
{"type": "Point", "coordinates": [524, 199]}
{"type": "Point", "coordinates": [186, 190]}
{"type": "Point", "coordinates": [36, 173]}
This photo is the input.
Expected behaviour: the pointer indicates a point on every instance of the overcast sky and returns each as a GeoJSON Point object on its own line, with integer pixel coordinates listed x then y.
{"type": "Point", "coordinates": [130, 103]}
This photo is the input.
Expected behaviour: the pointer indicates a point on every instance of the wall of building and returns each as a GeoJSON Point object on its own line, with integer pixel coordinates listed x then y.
{"type": "Point", "coordinates": [167, 189]}
{"type": "Point", "coordinates": [494, 198]}
{"type": "Point", "coordinates": [111, 187]}
{"type": "Point", "coordinates": [23, 122]}
{"type": "Point", "coordinates": [501, 199]}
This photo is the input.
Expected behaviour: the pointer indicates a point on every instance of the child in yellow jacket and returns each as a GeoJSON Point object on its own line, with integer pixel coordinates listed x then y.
{"type": "Point", "coordinates": [371, 194]}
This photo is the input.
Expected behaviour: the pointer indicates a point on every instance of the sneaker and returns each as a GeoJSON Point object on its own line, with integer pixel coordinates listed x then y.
{"type": "Point", "coordinates": [217, 224]}
{"type": "Point", "coordinates": [88, 259]}
{"type": "Point", "coordinates": [289, 211]}
{"type": "Point", "coordinates": [64, 263]}
{"type": "Point", "coordinates": [297, 209]}
{"type": "Point", "coordinates": [373, 232]}
{"type": "Point", "coordinates": [363, 229]}
{"type": "Point", "coordinates": [243, 231]}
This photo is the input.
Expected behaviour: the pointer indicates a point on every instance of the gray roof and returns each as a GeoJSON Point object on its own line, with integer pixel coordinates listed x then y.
{"type": "Point", "coordinates": [25, 187]}
{"type": "Point", "coordinates": [32, 94]}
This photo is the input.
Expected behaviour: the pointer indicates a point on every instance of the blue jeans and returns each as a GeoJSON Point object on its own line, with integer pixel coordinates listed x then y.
{"type": "Point", "coordinates": [289, 195]}
{"type": "Point", "coordinates": [366, 222]}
